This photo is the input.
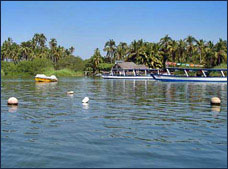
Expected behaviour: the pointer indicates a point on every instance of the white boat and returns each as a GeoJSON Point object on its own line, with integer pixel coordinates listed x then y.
{"type": "Point", "coordinates": [187, 78]}
{"type": "Point", "coordinates": [44, 78]}
{"type": "Point", "coordinates": [126, 77]}
{"type": "Point", "coordinates": [129, 70]}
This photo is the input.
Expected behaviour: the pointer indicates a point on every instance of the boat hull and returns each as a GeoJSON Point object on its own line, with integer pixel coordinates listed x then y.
{"type": "Point", "coordinates": [170, 78]}
{"type": "Point", "coordinates": [44, 80]}
{"type": "Point", "coordinates": [126, 77]}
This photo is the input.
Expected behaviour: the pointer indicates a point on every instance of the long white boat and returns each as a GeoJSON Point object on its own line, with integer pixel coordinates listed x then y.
{"type": "Point", "coordinates": [129, 70]}
{"type": "Point", "coordinates": [126, 77]}
{"type": "Point", "coordinates": [204, 77]}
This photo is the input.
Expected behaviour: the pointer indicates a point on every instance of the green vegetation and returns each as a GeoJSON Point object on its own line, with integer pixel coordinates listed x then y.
{"type": "Point", "coordinates": [63, 72]}
{"type": "Point", "coordinates": [221, 66]}
{"type": "Point", "coordinates": [155, 55]}
{"type": "Point", "coordinates": [33, 56]}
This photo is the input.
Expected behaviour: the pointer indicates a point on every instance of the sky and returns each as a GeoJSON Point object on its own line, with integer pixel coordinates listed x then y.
{"type": "Point", "coordinates": [88, 25]}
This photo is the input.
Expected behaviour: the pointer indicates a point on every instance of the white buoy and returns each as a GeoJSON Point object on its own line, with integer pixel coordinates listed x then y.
{"type": "Point", "coordinates": [215, 101]}
{"type": "Point", "coordinates": [12, 101]}
{"type": "Point", "coordinates": [70, 92]}
{"type": "Point", "coordinates": [85, 100]}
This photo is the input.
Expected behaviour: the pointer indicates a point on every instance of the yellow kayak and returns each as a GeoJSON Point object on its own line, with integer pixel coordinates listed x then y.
{"type": "Point", "coordinates": [44, 78]}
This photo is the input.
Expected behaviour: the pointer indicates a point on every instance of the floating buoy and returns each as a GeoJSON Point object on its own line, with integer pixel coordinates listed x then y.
{"type": "Point", "coordinates": [70, 92]}
{"type": "Point", "coordinates": [12, 101]}
{"type": "Point", "coordinates": [85, 100]}
{"type": "Point", "coordinates": [215, 101]}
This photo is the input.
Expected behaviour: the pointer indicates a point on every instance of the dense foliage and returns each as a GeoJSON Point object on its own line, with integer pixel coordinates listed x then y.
{"type": "Point", "coordinates": [155, 55]}
{"type": "Point", "coordinates": [33, 56]}
{"type": "Point", "coordinates": [28, 56]}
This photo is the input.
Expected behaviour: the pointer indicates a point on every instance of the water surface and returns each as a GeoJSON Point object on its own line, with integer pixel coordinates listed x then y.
{"type": "Point", "coordinates": [127, 123]}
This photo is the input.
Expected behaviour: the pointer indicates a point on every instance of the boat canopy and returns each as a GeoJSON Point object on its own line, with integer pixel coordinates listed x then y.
{"type": "Point", "coordinates": [196, 69]}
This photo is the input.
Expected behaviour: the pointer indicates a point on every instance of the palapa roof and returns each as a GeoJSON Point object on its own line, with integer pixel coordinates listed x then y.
{"type": "Point", "coordinates": [129, 65]}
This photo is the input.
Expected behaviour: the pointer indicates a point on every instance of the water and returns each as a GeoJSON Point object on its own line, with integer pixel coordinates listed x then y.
{"type": "Point", "coordinates": [127, 123]}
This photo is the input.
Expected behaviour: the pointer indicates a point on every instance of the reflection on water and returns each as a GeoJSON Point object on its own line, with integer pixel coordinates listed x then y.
{"type": "Point", "coordinates": [215, 110]}
{"type": "Point", "coordinates": [45, 85]}
{"type": "Point", "coordinates": [12, 108]}
{"type": "Point", "coordinates": [128, 123]}
{"type": "Point", "coordinates": [85, 105]}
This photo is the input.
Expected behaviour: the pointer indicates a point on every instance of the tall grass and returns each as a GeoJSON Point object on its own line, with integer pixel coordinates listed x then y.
{"type": "Point", "coordinates": [36, 66]}
{"type": "Point", "coordinates": [62, 73]}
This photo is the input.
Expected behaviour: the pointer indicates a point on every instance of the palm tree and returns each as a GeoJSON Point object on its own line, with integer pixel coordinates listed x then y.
{"type": "Point", "coordinates": [96, 59]}
{"type": "Point", "coordinates": [14, 52]}
{"type": "Point", "coordinates": [53, 43]}
{"type": "Point", "coordinates": [181, 50]}
{"type": "Point", "coordinates": [6, 49]}
{"type": "Point", "coordinates": [220, 52]}
{"type": "Point", "coordinates": [53, 52]}
{"type": "Point", "coordinates": [172, 48]}
{"type": "Point", "coordinates": [135, 53]}
{"type": "Point", "coordinates": [121, 51]}
{"type": "Point", "coordinates": [164, 43]}
{"type": "Point", "coordinates": [190, 47]}
{"type": "Point", "coordinates": [201, 48]}
{"type": "Point", "coordinates": [71, 50]}
{"type": "Point", "coordinates": [152, 55]}
{"type": "Point", "coordinates": [110, 48]}
{"type": "Point", "coordinates": [42, 40]}
{"type": "Point", "coordinates": [39, 40]}
{"type": "Point", "coordinates": [209, 60]}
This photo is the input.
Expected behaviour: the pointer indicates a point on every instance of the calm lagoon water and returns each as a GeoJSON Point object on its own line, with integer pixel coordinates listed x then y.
{"type": "Point", "coordinates": [127, 123]}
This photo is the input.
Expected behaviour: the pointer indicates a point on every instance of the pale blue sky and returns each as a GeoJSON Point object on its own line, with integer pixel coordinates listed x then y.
{"type": "Point", "coordinates": [88, 25]}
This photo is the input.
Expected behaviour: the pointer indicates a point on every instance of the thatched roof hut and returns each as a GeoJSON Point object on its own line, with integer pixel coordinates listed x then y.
{"type": "Point", "coordinates": [128, 66]}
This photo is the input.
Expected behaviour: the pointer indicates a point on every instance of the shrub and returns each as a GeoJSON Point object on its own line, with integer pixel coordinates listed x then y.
{"type": "Point", "coordinates": [35, 66]}
{"type": "Point", "coordinates": [105, 66]}
{"type": "Point", "coordinates": [63, 72]}
{"type": "Point", "coordinates": [8, 67]}
{"type": "Point", "coordinates": [2, 73]}
{"type": "Point", "coordinates": [71, 62]}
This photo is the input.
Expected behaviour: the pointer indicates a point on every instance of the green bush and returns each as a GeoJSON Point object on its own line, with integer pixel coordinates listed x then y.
{"type": "Point", "coordinates": [221, 66]}
{"type": "Point", "coordinates": [2, 73]}
{"type": "Point", "coordinates": [62, 72]}
{"type": "Point", "coordinates": [71, 62]}
{"type": "Point", "coordinates": [27, 68]}
{"type": "Point", "coordinates": [105, 66]}
{"type": "Point", "coordinates": [8, 68]}
{"type": "Point", "coordinates": [34, 67]}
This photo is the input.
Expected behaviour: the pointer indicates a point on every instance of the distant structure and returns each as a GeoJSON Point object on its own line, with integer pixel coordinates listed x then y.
{"type": "Point", "coordinates": [128, 68]}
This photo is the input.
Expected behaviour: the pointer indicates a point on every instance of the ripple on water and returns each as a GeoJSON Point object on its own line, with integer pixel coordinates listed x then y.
{"type": "Point", "coordinates": [127, 123]}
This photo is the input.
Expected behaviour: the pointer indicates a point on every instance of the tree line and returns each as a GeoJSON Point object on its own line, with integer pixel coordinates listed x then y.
{"type": "Point", "coordinates": [34, 48]}
{"type": "Point", "coordinates": [151, 54]}
{"type": "Point", "coordinates": [155, 55]}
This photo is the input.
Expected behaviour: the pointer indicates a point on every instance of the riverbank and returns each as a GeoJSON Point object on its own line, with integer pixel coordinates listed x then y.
{"type": "Point", "coordinates": [38, 66]}
{"type": "Point", "coordinates": [48, 72]}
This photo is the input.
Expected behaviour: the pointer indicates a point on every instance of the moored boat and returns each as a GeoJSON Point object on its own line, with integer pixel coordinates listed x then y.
{"type": "Point", "coordinates": [126, 77]}
{"type": "Point", "coordinates": [44, 78]}
{"type": "Point", "coordinates": [129, 70]}
{"type": "Point", "coordinates": [199, 75]}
